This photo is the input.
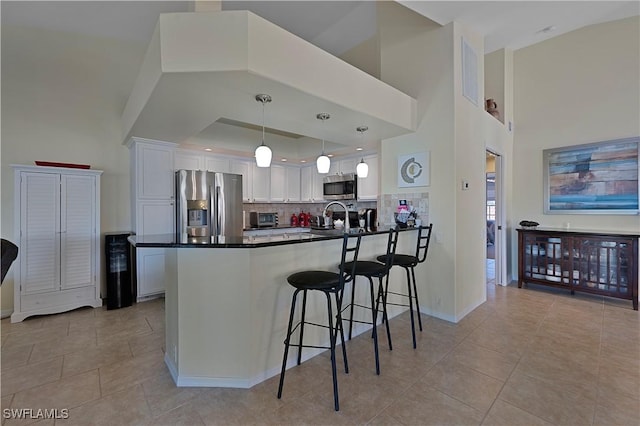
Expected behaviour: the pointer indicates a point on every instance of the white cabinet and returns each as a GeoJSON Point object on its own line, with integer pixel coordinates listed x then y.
{"type": "Point", "coordinates": [285, 183]}
{"type": "Point", "coordinates": [152, 185]}
{"type": "Point", "coordinates": [155, 217]}
{"type": "Point", "coordinates": [369, 187]}
{"type": "Point", "coordinates": [217, 164]}
{"type": "Point", "coordinates": [150, 272]}
{"type": "Point", "coordinates": [261, 184]}
{"type": "Point", "coordinates": [57, 213]}
{"type": "Point", "coordinates": [348, 165]}
{"type": "Point", "coordinates": [311, 184]}
{"type": "Point", "coordinates": [153, 196]}
{"type": "Point", "coordinates": [293, 186]}
{"type": "Point", "coordinates": [243, 168]}
{"type": "Point", "coordinates": [278, 183]}
{"type": "Point", "coordinates": [187, 160]}
{"type": "Point", "coordinates": [153, 169]}
{"type": "Point", "coordinates": [341, 167]}
{"type": "Point", "coordinates": [334, 168]}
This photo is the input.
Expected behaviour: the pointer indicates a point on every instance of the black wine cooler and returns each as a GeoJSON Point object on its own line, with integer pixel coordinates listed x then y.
{"type": "Point", "coordinates": [119, 271]}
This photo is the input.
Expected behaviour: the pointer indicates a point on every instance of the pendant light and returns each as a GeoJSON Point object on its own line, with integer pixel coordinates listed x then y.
{"type": "Point", "coordinates": [263, 153]}
{"type": "Point", "coordinates": [323, 163]}
{"type": "Point", "coordinates": [362, 169]}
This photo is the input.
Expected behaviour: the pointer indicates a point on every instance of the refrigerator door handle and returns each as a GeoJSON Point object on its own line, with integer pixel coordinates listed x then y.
{"type": "Point", "coordinates": [216, 213]}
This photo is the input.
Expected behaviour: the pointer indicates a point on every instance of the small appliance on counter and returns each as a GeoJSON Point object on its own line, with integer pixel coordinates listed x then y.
{"type": "Point", "coordinates": [353, 218]}
{"type": "Point", "coordinates": [371, 218]}
{"type": "Point", "coordinates": [263, 220]}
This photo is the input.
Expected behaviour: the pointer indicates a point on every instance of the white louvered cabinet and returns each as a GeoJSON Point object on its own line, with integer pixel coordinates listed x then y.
{"type": "Point", "coordinates": [57, 223]}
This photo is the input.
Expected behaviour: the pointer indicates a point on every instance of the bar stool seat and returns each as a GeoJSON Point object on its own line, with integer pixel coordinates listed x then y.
{"type": "Point", "coordinates": [314, 280]}
{"type": "Point", "coordinates": [401, 260]}
{"type": "Point", "coordinates": [328, 283]}
{"type": "Point", "coordinates": [408, 263]}
{"type": "Point", "coordinates": [370, 267]}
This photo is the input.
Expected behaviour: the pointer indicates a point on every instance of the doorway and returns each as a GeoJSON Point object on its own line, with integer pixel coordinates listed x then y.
{"type": "Point", "coordinates": [495, 213]}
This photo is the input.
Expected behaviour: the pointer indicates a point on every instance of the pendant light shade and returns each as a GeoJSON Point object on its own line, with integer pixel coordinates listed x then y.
{"type": "Point", "coordinates": [263, 156]}
{"type": "Point", "coordinates": [362, 169]}
{"type": "Point", "coordinates": [263, 153]}
{"type": "Point", "coordinates": [323, 163]}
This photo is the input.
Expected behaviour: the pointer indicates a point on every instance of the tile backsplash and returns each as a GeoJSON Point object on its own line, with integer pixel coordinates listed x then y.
{"type": "Point", "coordinates": [389, 203]}
{"type": "Point", "coordinates": [285, 210]}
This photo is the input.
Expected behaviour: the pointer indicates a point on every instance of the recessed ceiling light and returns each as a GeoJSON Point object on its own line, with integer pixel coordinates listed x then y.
{"type": "Point", "coordinates": [208, 149]}
{"type": "Point", "coordinates": [303, 161]}
{"type": "Point", "coordinates": [284, 159]}
{"type": "Point", "coordinates": [329, 155]}
{"type": "Point", "coordinates": [359, 149]}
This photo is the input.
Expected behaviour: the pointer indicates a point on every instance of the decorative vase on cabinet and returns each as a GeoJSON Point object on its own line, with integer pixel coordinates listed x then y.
{"type": "Point", "coordinates": [57, 222]}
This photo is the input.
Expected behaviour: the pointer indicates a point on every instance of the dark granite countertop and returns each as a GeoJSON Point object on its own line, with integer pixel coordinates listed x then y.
{"type": "Point", "coordinates": [169, 240]}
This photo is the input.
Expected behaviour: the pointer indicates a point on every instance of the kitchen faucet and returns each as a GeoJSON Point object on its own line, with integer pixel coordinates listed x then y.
{"type": "Point", "coordinates": [346, 214]}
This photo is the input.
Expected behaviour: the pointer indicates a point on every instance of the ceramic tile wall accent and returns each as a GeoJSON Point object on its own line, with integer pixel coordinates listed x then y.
{"type": "Point", "coordinates": [389, 203]}
{"type": "Point", "coordinates": [285, 210]}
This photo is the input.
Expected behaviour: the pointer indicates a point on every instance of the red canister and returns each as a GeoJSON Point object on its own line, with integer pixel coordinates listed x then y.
{"type": "Point", "coordinates": [294, 220]}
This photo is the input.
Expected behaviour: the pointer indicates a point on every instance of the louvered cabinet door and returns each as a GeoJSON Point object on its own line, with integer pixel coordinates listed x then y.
{"type": "Point", "coordinates": [39, 232]}
{"type": "Point", "coordinates": [77, 233]}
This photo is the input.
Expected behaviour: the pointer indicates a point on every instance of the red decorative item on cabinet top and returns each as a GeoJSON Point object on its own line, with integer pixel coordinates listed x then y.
{"type": "Point", "coordinates": [294, 220]}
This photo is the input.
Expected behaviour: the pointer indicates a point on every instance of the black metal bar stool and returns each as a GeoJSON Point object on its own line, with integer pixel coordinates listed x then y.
{"type": "Point", "coordinates": [409, 262]}
{"type": "Point", "coordinates": [373, 269]}
{"type": "Point", "coordinates": [328, 283]}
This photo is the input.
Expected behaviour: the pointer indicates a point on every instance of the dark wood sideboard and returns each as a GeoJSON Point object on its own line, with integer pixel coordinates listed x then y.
{"type": "Point", "coordinates": [593, 262]}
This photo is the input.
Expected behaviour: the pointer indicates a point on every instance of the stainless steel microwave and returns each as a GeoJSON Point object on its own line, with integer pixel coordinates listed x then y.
{"type": "Point", "coordinates": [340, 187]}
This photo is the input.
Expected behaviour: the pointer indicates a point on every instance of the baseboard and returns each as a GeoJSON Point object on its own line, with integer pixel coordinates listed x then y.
{"type": "Point", "coordinates": [5, 313]}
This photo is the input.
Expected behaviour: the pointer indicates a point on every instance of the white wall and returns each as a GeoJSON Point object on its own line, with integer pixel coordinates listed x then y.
{"type": "Point", "coordinates": [577, 88]}
{"type": "Point", "coordinates": [62, 100]}
{"type": "Point", "coordinates": [426, 51]}
{"type": "Point", "coordinates": [470, 205]}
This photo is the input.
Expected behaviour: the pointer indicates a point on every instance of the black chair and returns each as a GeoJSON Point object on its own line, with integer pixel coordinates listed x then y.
{"type": "Point", "coordinates": [9, 254]}
{"type": "Point", "coordinates": [328, 283]}
{"type": "Point", "coordinates": [409, 262]}
{"type": "Point", "coordinates": [373, 269]}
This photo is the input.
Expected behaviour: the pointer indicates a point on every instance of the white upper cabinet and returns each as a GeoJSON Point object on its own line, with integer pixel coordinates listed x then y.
{"type": "Point", "coordinates": [217, 164]}
{"type": "Point", "coordinates": [341, 167]}
{"type": "Point", "coordinates": [369, 187]}
{"type": "Point", "coordinates": [292, 184]}
{"type": "Point", "coordinates": [311, 184]}
{"type": "Point", "coordinates": [154, 170]}
{"type": "Point", "coordinates": [243, 168]}
{"type": "Point", "coordinates": [278, 183]}
{"type": "Point", "coordinates": [261, 183]}
{"type": "Point", "coordinates": [187, 160]}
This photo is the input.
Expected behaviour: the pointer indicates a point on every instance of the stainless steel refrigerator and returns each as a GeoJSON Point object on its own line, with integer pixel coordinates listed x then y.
{"type": "Point", "coordinates": [208, 206]}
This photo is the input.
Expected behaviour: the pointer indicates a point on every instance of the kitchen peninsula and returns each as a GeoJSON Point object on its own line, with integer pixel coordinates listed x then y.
{"type": "Point", "coordinates": [227, 300]}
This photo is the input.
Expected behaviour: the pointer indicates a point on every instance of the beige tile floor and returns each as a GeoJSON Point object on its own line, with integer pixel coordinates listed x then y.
{"type": "Point", "coordinates": [530, 356]}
